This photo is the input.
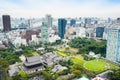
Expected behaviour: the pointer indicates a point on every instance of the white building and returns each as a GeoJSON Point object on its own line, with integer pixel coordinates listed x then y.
{"type": "Point", "coordinates": [49, 20]}
{"type": "Point", "coordinates": [113, 43]}
{"type": "Point", "coordinates": [54, 38]}
{"type": "Point", "coordinates": [44, 32]}
{"type": "Point", "coordinates": [58, 68]}
{"type": "Point", "coordinates": [80, 32]}
{"type": "Point", "coordinates": [35, 39]}
{"type": "Point", "coordinates": [18, 41]}
{"type": "Point", "coordinates": [13, 70]}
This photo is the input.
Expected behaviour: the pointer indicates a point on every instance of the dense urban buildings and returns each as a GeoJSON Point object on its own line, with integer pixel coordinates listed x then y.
{"type": "Point", "coordinates": [113, 43]}
{"type": "Point", "coordinates": [6, 23]}
{"type": "Point", "coordinates": [54, 46]}
{"type": "Point", "coordinates": [59, 40]}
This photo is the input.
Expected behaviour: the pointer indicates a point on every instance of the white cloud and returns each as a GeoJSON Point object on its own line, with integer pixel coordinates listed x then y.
{"type": "Point", "coordinates": [60, 8]}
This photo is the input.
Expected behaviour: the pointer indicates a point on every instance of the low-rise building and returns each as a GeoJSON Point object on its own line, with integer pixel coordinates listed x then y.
{"type": "Point", "coordinates": [33, 64]}
{"type": "Point", "coordinates": [58, 68]}
{"type": "Point", "coordinates": [40, 49]}
{"type": "Point", "coordinates": [13, 70]}
{"type": "Point", "coordinates": [51, 58]}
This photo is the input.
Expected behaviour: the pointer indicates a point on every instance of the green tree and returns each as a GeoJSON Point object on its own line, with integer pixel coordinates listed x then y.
{"type": "Point", "coordinates": [77, 72]}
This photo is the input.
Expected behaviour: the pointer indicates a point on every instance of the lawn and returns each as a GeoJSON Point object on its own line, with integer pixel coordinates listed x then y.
{"type": "Point", "coordinates": [62, 53]}
{"type": "Point", "coordinates": [96, 65]}
{"type": "Point", "coordinates": [69, 49]}
{"type": "Point", "coordinates": [77, 60]}
{"type": "Point", "coordinates": [76, 56]}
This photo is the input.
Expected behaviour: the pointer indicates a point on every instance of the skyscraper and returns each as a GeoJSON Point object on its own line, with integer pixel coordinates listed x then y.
{"type": "Point", "coordinates": [118, 20]}
{"type": "Point", "coordinates": [61, 27]}
{"type": "Point", "coordinates": [99, 32]}
{"type": "Point", "coordinates": [6, 23]}
{"type": "Point", "coordinates": [30, 25]}
{"type": "Point", "coordinates": [87, 20]}
{"type": "Point", "coordinates": [113, 44]}
{"type": "Point", "coordinates": [44, 32]}
{"type": "Point", "coordinates": [49, 20]}
{"type": "Point", "coordinates": [72, 22]}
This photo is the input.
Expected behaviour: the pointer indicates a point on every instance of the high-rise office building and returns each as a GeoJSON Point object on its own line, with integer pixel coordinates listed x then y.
{"type": "Point", "coordinates": [118, 20]}
{"type": "Point", "coordinates": [99, 31]}
{"type": "Point", "coordinates": [30, 24]}
{"type": "Point", "coordinates": [6, 23]}
{"type": "Point", "coordinates": [87, 20]}
{"type": "Point", "coordinates": [44, 32]}
{"type": "Point", "coordinates": [72, 22]}
{"type": "Point", "coordinates": [113, 44]}
{"type": "Point", "coordinates": [61, 27]}
{"type": "Point", "coordinates": [49, 20]}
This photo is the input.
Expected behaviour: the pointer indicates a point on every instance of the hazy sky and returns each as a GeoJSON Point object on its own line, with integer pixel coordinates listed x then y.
{"type": "Point", "coordinates": [60, 8]}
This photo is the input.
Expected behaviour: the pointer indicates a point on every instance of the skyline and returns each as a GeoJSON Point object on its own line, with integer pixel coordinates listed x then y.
{"type": "Point", "coordinates": [61, 8]}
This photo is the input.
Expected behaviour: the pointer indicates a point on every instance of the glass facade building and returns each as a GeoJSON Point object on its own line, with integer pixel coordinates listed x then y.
{"type": "Point", "coordinates": [99, 31]}
{"type": "Point", "coordinates": [61, 27]}
{"type": "Point", "coordinates": [72, 22]}
{"type": "Point", "coordinates": [6, 23]}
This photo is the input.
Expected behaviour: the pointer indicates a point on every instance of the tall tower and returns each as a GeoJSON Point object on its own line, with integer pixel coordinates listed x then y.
{"type": "Point", "coordinates": [6, 23]}
{"type": "Point", "coordinates": [113, 44]}
{"type": "Point", "coordinates": [49, 20]}
{"type": "Point", "coordinates": [44, 32]}
{"type": "Point", "coordinates": [72, 22]}
{"type": "Point", "coordinates": [61, 27]}
{"type": "Point", "coordinates": [30, 23]}
{"type": "Point", "coordinates": [99, 32]}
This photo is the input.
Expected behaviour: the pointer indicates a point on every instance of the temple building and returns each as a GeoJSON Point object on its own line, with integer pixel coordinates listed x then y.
{"type": "Point", "coordinates": [33, 64]}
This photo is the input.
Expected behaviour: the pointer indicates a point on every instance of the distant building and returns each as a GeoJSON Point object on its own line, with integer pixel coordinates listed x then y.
{"type": "Point", "coordinates": [99, 31]}
{"type": "Point", "coordinates": [6, 23]}
{"type": "Point", "coordinates": [90, 32]}
{"type": "Point", "coordinates": [22, 26]}
{"type": "Point", "coordinates": [87, 20]}
{"type": "Point", "coordinates": [109, 20]}
{"type": "Point", "coordinates": [72, 22]}
{"type": "Point", "coordinates": [44, 32]}
{"type": "Point", "coordinates": [30, 23]}
{"type": "Point", "coordinates": [49, 20]}
{"type": "Point", "coordinates": [28, 34]}
{"type": "Point", "coordinates": [54, 38]}
{"type": "Point", "coordinates": [113, 44]}
{"type": "Point", "coordinates": [118, 20]}
{"type": "Point", "coordinates": [18, 41]}
{"type": "Point", "coordinates": [35, 39]}
{"type": "Point", "coordinates": [80, 32]}
{"type": "Point", "coordinates": [61, 27]}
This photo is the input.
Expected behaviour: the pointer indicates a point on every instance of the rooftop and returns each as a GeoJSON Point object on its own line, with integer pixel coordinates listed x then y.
{"type": "Point", "coordinates": [33, 60]}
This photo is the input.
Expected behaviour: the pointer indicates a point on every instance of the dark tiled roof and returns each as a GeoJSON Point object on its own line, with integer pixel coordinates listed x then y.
{"type": "Point", "coordinates": [33, 60]}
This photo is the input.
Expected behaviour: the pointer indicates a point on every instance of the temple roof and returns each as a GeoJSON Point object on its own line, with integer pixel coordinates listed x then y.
{"type": "Point", "coordinates": [33, 60]}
